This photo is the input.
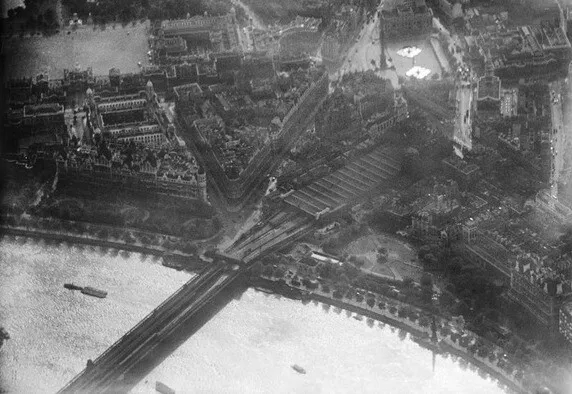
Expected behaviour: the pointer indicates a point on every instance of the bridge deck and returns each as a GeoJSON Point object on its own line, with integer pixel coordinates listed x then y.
{"type": "Point", "coordinates": [148, 333]}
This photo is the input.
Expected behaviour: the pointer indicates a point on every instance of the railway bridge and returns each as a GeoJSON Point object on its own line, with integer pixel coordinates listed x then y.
{"type": "Point", "coordinates": [107, 373]}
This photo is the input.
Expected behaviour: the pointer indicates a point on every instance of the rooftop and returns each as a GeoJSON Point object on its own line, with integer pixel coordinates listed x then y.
{"type": "Point", "coordinates": [567, 308]}
{"type": "Point", "coordinates": [461, 165]}
{"type": "Point", "coordinates": [195, 22]}
{"type": "Point", "coordinates": [489, 88]}
{"type": "Point", "coordinates": [43, 109]}
{"type": "Point", "coordinates": [401, 7]}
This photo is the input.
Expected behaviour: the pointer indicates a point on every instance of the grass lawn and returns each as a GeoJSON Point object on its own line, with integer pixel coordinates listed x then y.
{"type": "Point", "coordinates": [121, 47]}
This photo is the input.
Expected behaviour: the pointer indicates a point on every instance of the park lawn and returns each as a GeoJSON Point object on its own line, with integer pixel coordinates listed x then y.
{"type": "Point", "coordinates": [121, 47]}
{"type": "Point", "coordinates": [399, 253]}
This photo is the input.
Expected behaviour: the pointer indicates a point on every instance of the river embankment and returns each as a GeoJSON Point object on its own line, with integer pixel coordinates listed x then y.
{"type": "Point", "coordinates": [423, 334]}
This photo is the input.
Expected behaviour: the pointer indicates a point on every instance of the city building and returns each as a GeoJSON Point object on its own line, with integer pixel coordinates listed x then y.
{"type": "Point", "coordinates": [362, 103]}
{"type": "Point", "coordinates": [77, 80]}
{"type": "Point", "coordinates": [509, 102]}
{"type": "Point", "coordinates": [156, 171]}
{"type": "Point", "coordinates": [537, 273]}
{"type": "Point", "coordinates": [239, 128]}
{"type": "Point", "coordinates": [406, 18]}
{"type": "Point", "coordinates": [465, 173]}
{"type": "Point", "coordinates": [217, 33]}
{"type": "Point", "coordinates": [38, 117]}
{"type": "Point", "coordinates": [452, 9]}
{"type": "Point", "coordinates": [566, 321]}
{"type": "Point", "coordinates": [517, 52]}
{"type": "Point", "coordinates": [129, 117]}
{"type": "Point", "coordinates": [489, 95]}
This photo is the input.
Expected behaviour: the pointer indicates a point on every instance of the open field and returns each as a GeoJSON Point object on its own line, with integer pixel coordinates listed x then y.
{"type": "Point", "coordinates": [121, 47]}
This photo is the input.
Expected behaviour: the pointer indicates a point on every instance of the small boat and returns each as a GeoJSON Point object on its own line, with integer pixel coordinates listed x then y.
{"type": "Point", "coordinates": [3, 336]}
{"type": "Point", "coordinates": [163, 388]}
{"type": "Point", "coordinates": [299, 369]}
{"type": "Point", "coordinates": [263, 290]}
{"type": "Point", "coordinates": [94, 292]}
{"type": "Point", "coordinates": [358, 317]}
{"type": "Point", "coordinates": [71, 286]}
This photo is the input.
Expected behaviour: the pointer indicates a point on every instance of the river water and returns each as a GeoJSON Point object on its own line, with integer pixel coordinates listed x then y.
{"type": "Point", "coordinates": [9, 4]}
{"type": "Point", "coordinates": [249, 347]}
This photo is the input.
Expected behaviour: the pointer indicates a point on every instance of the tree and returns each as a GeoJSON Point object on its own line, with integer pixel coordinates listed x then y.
{"type": "Point", "coordinates": [446, 299]}
{"type": "Point", "coordinates": [268, 271]}
{"type": "Point", "coordinates": [426, 281]}
{"type": "Point", "coordinates": [407, 282]}
{"type": "Point", "coordinates": [256, 269]}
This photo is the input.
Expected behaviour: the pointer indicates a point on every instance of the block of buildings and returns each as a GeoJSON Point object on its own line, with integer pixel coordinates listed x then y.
{"type": "Point", "coordinates": [451, 9]}
{"type": "Point", "coordinates": [517, 52]}
{"type": "Point", "coordinates": [406, 18]}
{"type": "Point", "coordinates": [362, 103]}
{"type": "Point", "coordinates": [489, 95]}
{"type": "Point", "coordinates": [537, 273]}
{"type": "Point", "coordinates": [154, 171]}
{"type": "Point", "coordinates": [218, 33]}
{"type": "Point", "coordinates": [465, 173]}
{"type": "Point", "coordinates": [239, 128]}
{"type": "Point", "coordinates": [134, 117]}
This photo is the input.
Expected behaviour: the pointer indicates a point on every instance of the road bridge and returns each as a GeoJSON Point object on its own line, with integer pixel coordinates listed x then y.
{"type": "Point", "coordinates": [106, 373]}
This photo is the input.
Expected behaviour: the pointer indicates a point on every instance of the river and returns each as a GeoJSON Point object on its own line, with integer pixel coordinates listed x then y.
{"type": "Point", "coordinates": [249, 347]}
{"type": "Point", "coordinates": [9, 4]}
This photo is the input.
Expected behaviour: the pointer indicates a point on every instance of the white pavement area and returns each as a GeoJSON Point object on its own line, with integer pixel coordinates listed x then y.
{"type": "Point", "coordinates": [365, 54]}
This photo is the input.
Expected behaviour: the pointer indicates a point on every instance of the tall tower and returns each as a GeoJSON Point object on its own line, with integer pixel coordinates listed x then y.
{"type": "Point", "coordinates": [382, 57]}
{"type": "Point", "coordinates": [150, 90]}
{"type": "Point", "coordinates": [90, 99]}
{"type": "Point", "coordinates": [202, 182]}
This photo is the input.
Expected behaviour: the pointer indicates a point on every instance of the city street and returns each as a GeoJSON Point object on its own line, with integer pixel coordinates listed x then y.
{"type": "Point", "coordinates": [366, 52]}
{"type": "Point", "coordinates": [464, 117]}
{"type": "Point", "coordinates": [560, 107]}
